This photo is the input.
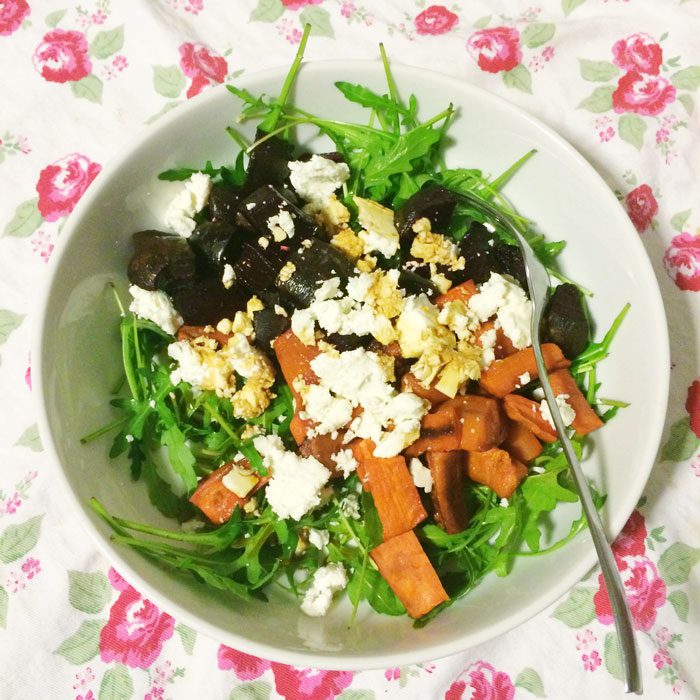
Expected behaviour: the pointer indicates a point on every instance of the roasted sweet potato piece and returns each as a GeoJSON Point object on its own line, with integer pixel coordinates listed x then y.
{"type": "Point", "coordinates": [461, 292]}
{"type": "Point", "coordinates": [497, 470]}
{"type": "Point", "coordinates": [395, 495]}
{"type": "Point", "coordinates": [323, 447]}
{"type": "Point", "coordinates": [521, 442]}
{"type": "Point", "coordinates": [503, 376]}
{"type": "Point", "coordinates": [194, 332]}
{"type": "Point", "coordinates": [410, 383]}
{"type": "Point", "coordinates": [362, 451]}
{"type": "Point", "coordinates": [447, 470]}
{"type": "Point", "coordinates": [295, 360]}
{"type": "Point", "coordinates": [503, 347]}
{"type": "Point", "coordinates": [407, 569]}
{"type": "Point", "coordinates": [441, 430]}
{"type": "Point", "coordinates": [527, 412]}
{"type": "Point", "coordinates": [483, 425]}
{"type": "Point", "coordinates": [215, 500]}
{"type": "Point", "coordinates": [586, 419]}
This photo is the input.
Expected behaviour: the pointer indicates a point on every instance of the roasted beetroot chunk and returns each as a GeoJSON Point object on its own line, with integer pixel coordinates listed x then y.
{"type": "Point", "coordinates": [161, 261]}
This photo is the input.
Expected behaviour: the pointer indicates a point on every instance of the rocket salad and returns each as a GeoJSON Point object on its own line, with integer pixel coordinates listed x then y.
{"type": "Point", "coordinates": [329, 374]}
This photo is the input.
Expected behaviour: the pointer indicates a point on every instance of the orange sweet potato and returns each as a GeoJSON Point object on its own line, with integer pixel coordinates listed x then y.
{"type": "Point", "coordinates": [497, 470]}
{"type": "Point", "coordinates": [407, 569]}
{"type": "Point", "coordinates": [395, 495]}
{"type": "Point", "coordinates": [410, 383]}
{"type": "Point", "coordinates": [521, 442]}
{"type": "Point", "coordinates": [502, 377]}
{"type": "Point", "coordinates": [528, 413]}
{"type": "Point", "coordinates": [194, 332]}
{"type": "Point", "coordinates": [503, 348]}
{"type": "Point", "coordinates": [215, 500]}
{"type": "Point", "coordinates": [447, 470]}
{"type": "Point", "coordinates": [483, 423]}
{"type": "Point", "coordinates": [587, 419]}
{"type": "Point", "coordinates": [441, 430]}
{"type": "Point", "coordinates": [462, 292]}
{"type": "Point", "coordinates": [295, 360]}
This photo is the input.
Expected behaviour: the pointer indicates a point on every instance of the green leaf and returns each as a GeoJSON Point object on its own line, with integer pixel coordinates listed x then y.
{"type": "Point", "coordinates": [30, 438]}
{"type": "Point", "coordinates": [257, 690]}
{"type": "Point", "coordinates": [88, 592]}
{"type": "Point", "coordinates": [116, 684]}
{"type": "Point", "coordinates": [578, 609]}
{"type": "Point", "coordinates": [3, 607]}
{"type": "Point", "coordinates": [687, 101]}
{"type": "Point", "coordinates": [682, 442]}
{"type": "Point", "coordinates": [53, 18]}
{"type": "Point", "coordinates": [530, 680]}
{"type": "Point", "coordinates": [9, 321]}
{"type": "Point", "coordinates": [570, 5]}
{"type": "Point", "coordinates": [676, 562]}
{"type": "Point", "coordinates": [518, 78]}
{"type": "Point", "coordinates": [600, 100]}
{"type": "Point", "coordinates": [543, 491]}
{"type": "Point", "coordinates": [611, 654]}
{"type": "Point", "coordinates": [536, 34]}
{"type": "Point", "coordinates": [82, 645]}
{"type": "Point", "coordinates": [89, 88]}
{"type": "Point", "coordinates": [107, 43]}
{"type": "Point", "coordinates": [188, 637]}
{"type": "Point", "coordinates": [687, 79]}
{"type": "Point", "coordinates": [679, 600]}
{"type": "Point", "coordinates": [319, 18]}
{"type": "Point", "coordinates": [18, 540]}
{"type": "Point", "coordinates": [26, 220]}
{"type": "Point", "coordinates": [267, 11]}
{"type": "Point", "coordinates": [168, 80]}
{"type": "Point", "coordinates": [679, 220]}
{"type": "Point", "coordinates": [180, 455]}
{"type": "Point", "coordinates": [632, 128]}
{"type": "Point", "coordinates": [482, 22]}
{"type": "Point", "coordinates": [598, 71]}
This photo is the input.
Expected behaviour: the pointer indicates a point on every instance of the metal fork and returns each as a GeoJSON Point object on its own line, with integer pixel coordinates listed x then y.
{"type": "Point", "coordinates": [539, 286]}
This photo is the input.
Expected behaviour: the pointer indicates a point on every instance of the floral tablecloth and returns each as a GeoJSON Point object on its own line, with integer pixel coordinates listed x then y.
{"type": "Point", "coordinates": [619, 78]}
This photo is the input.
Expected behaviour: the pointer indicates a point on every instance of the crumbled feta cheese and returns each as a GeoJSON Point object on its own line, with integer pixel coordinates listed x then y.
{"type": "Point", "coordinates": [155, 306]}
{"type": "Point", "coordinates": [319, 538]}
{"type": "Point", "coordinates": [431, 247]}
{"type": "Point", "coordinates": [349, 243]}
{"type": "Point", "coordinates": [332, 215]}
{"type": "Point", "coordinates": [345, 462]}
{"type": "Point", "coordinates": [538, 393]}
{"type": "Point", "coordinates": [316, 179]}
{"type": "Point", "coordinates": [422, 477]}
{"type": "Point", "coordinates": [489, 227]}
{"type": "Point", "coordinates": [303, 326]}
{"type": "Point", "coordinates": [418, 326]}
{"type": "Point", "coordinates": [505, 299]}
{"type": "Point", "coordinates": [263, 242]}
{"type": "Point", "coordinates": [378, 230]}
{"type": "Point", "coordinates": [287, 271]}
{"type": "Point", "coordinates": [328, 412]}
{"type": "Point", "coordinates": [281, 225]}
{"type": "Point", "coordinates": [488, 342]}
{"type": "Point", "coordinates": [296, 483]}
{"type": "Point", "coordinates": [224, 326]}
{"type": "Point", "coordinates": [280, 310]}
{"type": "Point", "coordinates": [503, 503]}
{"type": "Point", "coordinates": [129, 438]}
{"type": "Point", "coordinates": [350, 506]}
{"type": "Point", "coordinates": [537, 470]}
{"type": "Point", "coordinates": [240, 481]}
{"type": "Point", "coordinates": [228, 277]}
{"type": "Point", "coordinates": [326, 581]}
{"type": "Point", "coordinates": [524, 378]}
{"type": "Point", "coordinates": [192, 198]}
{"type": "Point", "coordinates": [568, 415]}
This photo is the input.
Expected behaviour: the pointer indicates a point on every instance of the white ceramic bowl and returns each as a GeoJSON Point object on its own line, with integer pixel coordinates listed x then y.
{"type": "Point", "coordinates": [77, 359]}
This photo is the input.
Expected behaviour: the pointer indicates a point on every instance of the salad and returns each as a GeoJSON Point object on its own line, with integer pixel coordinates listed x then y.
{"type": "Point", "coordinates": [328, 372]}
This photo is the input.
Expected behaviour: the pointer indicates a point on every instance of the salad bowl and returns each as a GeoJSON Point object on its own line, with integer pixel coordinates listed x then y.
{"type": "Point", "coordinates": [78, 360]}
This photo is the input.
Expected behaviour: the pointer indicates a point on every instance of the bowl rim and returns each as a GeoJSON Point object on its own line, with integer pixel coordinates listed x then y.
{"type": "Point", "coordinates": [344, 660]}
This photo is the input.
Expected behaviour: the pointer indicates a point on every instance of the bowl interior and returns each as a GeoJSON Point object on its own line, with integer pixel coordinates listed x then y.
{"type": "Point", "coordinates": [78, 358]}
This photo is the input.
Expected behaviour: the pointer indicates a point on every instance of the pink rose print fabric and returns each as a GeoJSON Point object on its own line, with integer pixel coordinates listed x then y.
{"type": "Point", "coordinates": [682, 261]}
{"type": "Point", "coordinates": [298, 4]}
{"type": "Point", "coordinates": [643, 94]}
{"type": "Point", "coordinates": [642, 207]}
{"type": "Point", "coordinates": [496, 49]}
{"type": "Point", "coordinates": [63, 183]}
{"type": "Point", "coordinates": [203, 66]}
{"type": "Point", "coordinates": [482, 681]}
{"type": "Point", "coordinates": [12, 14]}
{"type": "Point", "coordinates": [63, 56]}
{"type": "Point", "coordinates": [692, 405]}
{"type": "Point", "coordinates": [638, 53]}
{"type": "Point", "coordinates": [436, 19]}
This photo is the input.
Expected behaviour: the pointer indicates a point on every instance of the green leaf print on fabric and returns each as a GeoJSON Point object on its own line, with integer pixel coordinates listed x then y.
{"type": "Point", "coordinates": [89, 88]}
{"type": "Point", "coordinates": [116, 684]}
{"type": "Point", "coordinates": [82, 645]}
{"type": "Point", "coordinates": [611, 654]}
{"type": "Point", "coordinates": [168, 80]}
{"type": "Point", "coordinates": [518, 78]}
{"type": "Point", "coordinates": [257, 690]}
{"type": "Point", "coordinates": [188, 637]}
{"type": "Point", "coordinates": [632, 129]}
{"type": "Point", "coordinates": [9, 322]}
{"type": "Point", "coordinates": [687, 78]}
{"type": "Point", "coordinates": [679, 600]}
{"type": "Point", "coordinates": [578, 609]}
{"type": "Point", "coordinates": [570, 5]}
{"type": "Point", "coordinates": [597, 71]}
{"type": "Point", "coordinates": [682, 442]}
{"type": "Point", "coordinates": [267, 11]}
{"type": "Point", "coordinates": [107, 43]}
{"type": "Point", "coordinates": [53, 18]}
{"type": "Point", "coordinates": [687, 101]}
{"type": "Point", "coordinates": [88, 592]}
{"type": "Point", "coordinates": [599, 101]}
{"type": "Point", "coordinates": [530, 680]}
{"type": "Point", "coordinates": [18, 540]}
{"type": "Point", "coordinates": [679, 220]}
{"type": "Point", "coordinates": [26, 220]}
{"type": "Point", "coordinates": [352, 694]}
{"type": "Point", "coordinates": [30, 438]}
{"type": "Point", "coordinates": [319, 19]}
{"type": "Point", "coordinates": [676, 562]}
{"type": "Point", "coordinates": [3, 607]}
{"type": "Point", "coordinates": [536, 34]}
{"type": "Point", "coordinates": [482, 22]}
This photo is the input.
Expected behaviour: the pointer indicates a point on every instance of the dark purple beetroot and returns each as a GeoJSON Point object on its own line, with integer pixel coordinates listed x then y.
{"type": "Point", "coordinates": [205, 301]}
{"type": "Point", "coordinates": [432, 202]}
{"type": "Point", "coordinates": [565, 322]}
{"type": "Point", "coordinates": [161, 261]}
{"type": "Point", "coordinates": [268, 162]}
{"type": "Point", "coordinates": [268, 325]}
{"type": "Point", "coordinates": [223, 202]}
{"type": "Point", "coordinates": [258, 267]}
{"type": "Point", "coordinates": [218, 242]}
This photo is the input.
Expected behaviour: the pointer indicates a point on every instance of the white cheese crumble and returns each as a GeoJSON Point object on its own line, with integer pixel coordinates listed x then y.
{"type": "Point", "coordinates": [504, 298]}
{"type": "Point", "coordinates": [319, 538]}
{"type": "Point", "coordinates": [345, 461]}
{"type": "Point", "coordinates": [191, 199]}
{"type": "Point", "coordinates": [328, 412]}
{"type": "Point", "coordinates": [155, 306]}
{"type": "Point", "coordinates": [228, 276]}
{"type": "Point", "coordinates": [350, 506]}
{"type": "Point", "coordinates": [524, 378]}
{"type": "Point", "coordinates": [568, 415]}
{"type": "Point", "coordinates": [263, 242]}
{"type": "Point", "coordinates": [378, 230]}
{"type": "Point", "coordinates": [326, 581]}
{"type": "Point", "coordinates": [316, 179]}
{"type": "Point", "coordinates": [281, 225]}
{"type": "Point", "coordinates": [296, 483]}
{"type": "Point", "coordinates": [239, 481]}
{"type": "Point", "coordinates": [488, 343]}
{"type": "Point", "coordinates": [422, 477]}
